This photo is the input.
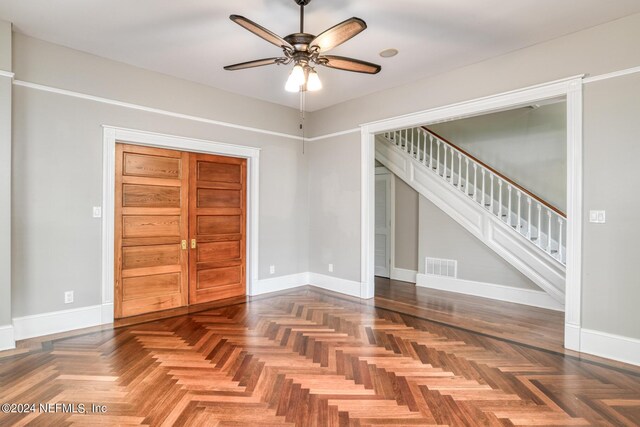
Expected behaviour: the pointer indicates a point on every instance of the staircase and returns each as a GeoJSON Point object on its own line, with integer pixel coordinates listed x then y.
{"type": "Point", "coordinates": [519, 226]}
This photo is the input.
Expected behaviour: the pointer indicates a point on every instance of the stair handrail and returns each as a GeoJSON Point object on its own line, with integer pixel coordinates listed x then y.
{"type": "Point", "coordinates": [495, 172]}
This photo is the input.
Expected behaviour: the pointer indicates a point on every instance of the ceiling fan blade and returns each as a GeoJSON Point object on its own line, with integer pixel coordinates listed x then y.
{"type": "Point", "coordinates": [260, 31]}
{"type": "Point", "coordinates": [349, 64]}
{"type": "Point", "coordinates": [253, 64]}
{"type": "Point", "coordinates": [339, 34]}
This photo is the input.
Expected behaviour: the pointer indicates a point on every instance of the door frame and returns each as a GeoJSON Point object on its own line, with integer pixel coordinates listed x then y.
{"type": "Point", "coordinates": [571, 89]}
{"type": "Point", "coordinates": [390, 207]}
{"type": "Point", "coordinates": [112, 135]}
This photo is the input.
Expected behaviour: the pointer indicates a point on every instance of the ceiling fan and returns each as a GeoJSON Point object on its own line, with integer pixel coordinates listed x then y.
{"type": "Point", "coordinates": [306, 51]}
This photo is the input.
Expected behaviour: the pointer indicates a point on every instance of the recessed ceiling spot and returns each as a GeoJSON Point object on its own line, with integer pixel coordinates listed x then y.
{"type": "Point", "coordinates": [389, 53]}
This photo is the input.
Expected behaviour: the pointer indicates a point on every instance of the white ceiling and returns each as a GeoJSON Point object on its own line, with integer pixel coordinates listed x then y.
{"type": "Point", "coordinates": [194, 39]}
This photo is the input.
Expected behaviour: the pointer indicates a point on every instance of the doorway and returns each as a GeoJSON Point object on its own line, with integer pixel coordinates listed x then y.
{"type": "Point", "coordinates": [383, 203]}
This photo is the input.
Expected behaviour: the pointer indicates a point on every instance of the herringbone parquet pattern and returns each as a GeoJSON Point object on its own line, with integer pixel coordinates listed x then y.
{"type": "Point", "coordinates": [307, 359]}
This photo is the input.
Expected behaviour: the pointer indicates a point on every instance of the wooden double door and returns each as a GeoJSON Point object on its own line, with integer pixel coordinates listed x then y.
{"type": "Point", "coordinates": [180, 229]}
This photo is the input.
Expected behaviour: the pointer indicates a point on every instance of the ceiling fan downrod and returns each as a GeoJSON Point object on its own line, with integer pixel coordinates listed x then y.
{"type": "Point", "coordinates": [302, 4]}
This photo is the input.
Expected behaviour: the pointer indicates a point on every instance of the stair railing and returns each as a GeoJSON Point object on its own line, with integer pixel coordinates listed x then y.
{"type": "Point", "coordinates": [535, 219]}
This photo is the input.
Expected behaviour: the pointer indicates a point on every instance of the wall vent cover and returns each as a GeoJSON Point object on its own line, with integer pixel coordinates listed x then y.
{"type": "Point", "coordinates": [441, 267]}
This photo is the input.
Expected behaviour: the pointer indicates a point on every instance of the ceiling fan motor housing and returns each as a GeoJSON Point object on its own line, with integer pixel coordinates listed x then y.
{"type": "Point", "coordinates": [302, 2]}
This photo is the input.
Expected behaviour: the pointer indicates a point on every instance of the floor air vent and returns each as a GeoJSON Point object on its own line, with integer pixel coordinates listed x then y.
{"type": "Point", "coordinates": [441, 267]}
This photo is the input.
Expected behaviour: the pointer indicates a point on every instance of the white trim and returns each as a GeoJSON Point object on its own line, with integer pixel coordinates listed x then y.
{"type": "Point", "coordinates": [571, 335]}
{"type": "Point", "coordinates": [57, 321]}
{"type": "Point", "coordinates": [570, 87]}
{"type": "Point", "coordinates": [113, 134]}
{"type": "Point", "coordinates": [403, 275]}
{"type": "Point", "coordinates": [490, 290]}
{"type": "Point", "coordinates": [335, 284]}
{"type": "Point", "coordinates": [7, 341]}
{"type": "Point", "coordinates": [75, 94]}
{"type": "Point", "coordinates": [381, 170]}
{"type": "Point", "coordinates": [333, 135]}
{"type": "Point", "coordinates": [573, 283]}
{"type": "Point", "coordinates": [616, 347]}
{"type": "Point", "coordinates": [482, 105]}
{"type": "Point", "coordinates": [612, 75]}
{"type": "Point", "coordinates": [367, 213]}
{"type": "Point", "coordinates": [281, 283]}
{"type": "Point", "coordinates": [150, 109]}
{"type": "Point", "coordinates": [106, 315]}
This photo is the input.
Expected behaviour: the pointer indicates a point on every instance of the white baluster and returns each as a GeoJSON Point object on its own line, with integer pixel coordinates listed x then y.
{"type": "Point", "coordinates": [519, 218]}
{"type": "Point", "coordinates": [475, 180]}
{"type": "Point", "coordinates": [549, 231]}
{"type": "Point", "coordinates": [483, 188]}
{"type": "Point", "coordinates": [509, 205]}
{"type": "Point", "coordinates": [468, 186]}
{"type": "Point", "coordinates": [460, 172]}
{"type": "Point", "coordinates": [424, 148]}
{"type": "Point", "coordinates": [438, 156]}
{"type": "Point", "coordinates": [444, 164]}
{"type": "Point", "coordinates": [406, 140]}
{"type": "Point", "coordinates": [539, 207]}
{"type": "Point", "coordinates": [396, 138]}
{"type": "Point", "coordinates": [413, 149]}
{"type": "Point", "coordinates": [491, 201]}
{"type": "Point", "coordinates": [453, 155]}
{"type": "Point", "coordinates": [560, 239]}
{"type": "Point", "coordinates": [529, 218]}
{"type": "Point", "coordinates": [499, 198]}
{"type": "Point", "coordinates": [431, 152]}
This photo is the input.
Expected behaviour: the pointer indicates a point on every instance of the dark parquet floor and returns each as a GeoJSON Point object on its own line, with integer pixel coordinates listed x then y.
{"type": "Point", "coordinates": [311, 358]}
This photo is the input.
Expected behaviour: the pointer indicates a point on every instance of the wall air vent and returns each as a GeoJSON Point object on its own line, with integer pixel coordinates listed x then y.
{"type": "Point", "coordinates": [441, 267]}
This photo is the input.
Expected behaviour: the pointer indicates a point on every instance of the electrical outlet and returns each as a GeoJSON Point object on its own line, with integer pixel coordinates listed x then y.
{"type": "Point", "coordinates": [68, 297]}
{"type": "Point", "coordinates": [272, 269]}
{"type": "Point", "coordinates": [97, 212]}
{"type": "Point", "coordinates": [330, 268]}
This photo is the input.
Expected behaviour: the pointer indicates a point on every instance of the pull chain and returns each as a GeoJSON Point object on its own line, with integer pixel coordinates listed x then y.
{"type": "Point", "coordinates": [302, 108]}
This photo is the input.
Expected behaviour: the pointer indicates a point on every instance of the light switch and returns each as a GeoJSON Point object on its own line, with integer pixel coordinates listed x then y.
{"type": "Point", "coordinates": [272, 269]}
{"type": "Point", "coordinates": [97, 212]}
{"type": "Point", "coordinates": [330, 268]}
{"type": "Point", "coordinates": [597, 217]}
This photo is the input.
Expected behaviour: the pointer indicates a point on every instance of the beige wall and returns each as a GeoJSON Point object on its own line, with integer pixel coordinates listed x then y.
{"type": "Point", "coordinates": [334, 207]}
{"type": "Point", "coordinates": [611, 280]}
{"type": "Point", "coordinates": [442, 237]}
{"type": "Point", "coordinates": [5, 175]}
{"type": "Point", "coordinates": [57, 167]}
{"type": "Point", "coordinates": [406, 226]}
{"type": "Point", "coordinates": [606, 48]}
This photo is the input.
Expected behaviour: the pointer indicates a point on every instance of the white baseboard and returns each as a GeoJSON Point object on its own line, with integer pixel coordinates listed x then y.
{"type": "Point", "coordinates": [7, 342]}
{"type": "Point", "coordinates": [616, 347]}
{"type": "Point", "coordinates": [281, 283]}
{"type": "Point", "coordinates": [403, 275]}
{"type": "Point", "coordinates": [107, 313]}
{"type": "Point", "coordinates": [489, 290]}
{"type": "Point", "coordinates": [59, 321]}
{"type": "Point", "coordinates": [572, 337]}
{"type": "Point", "coordinates": [335, 284]}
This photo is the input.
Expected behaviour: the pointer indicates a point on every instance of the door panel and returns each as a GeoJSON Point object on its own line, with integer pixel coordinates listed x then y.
{"type": "Point", "coordinates": [217, 223]}
{"type": "Point", "coordinates": [383, 225]}
{"type": "Point", "coordinates": [151, 195]}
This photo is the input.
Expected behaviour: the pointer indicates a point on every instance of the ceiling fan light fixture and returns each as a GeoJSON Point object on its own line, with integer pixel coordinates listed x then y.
{"type": "Point", "coordinates": [313, 82]}
{"type": "Point", "coordinates": [298, 75]}
{"type": "Point", "coordinates": [292, 84]}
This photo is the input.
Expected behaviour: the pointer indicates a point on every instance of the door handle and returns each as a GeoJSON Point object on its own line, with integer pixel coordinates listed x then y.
{"type": "Point", "coordinates": [193, 243]}
{"type": "Point", "coordinates": [184, 245]}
